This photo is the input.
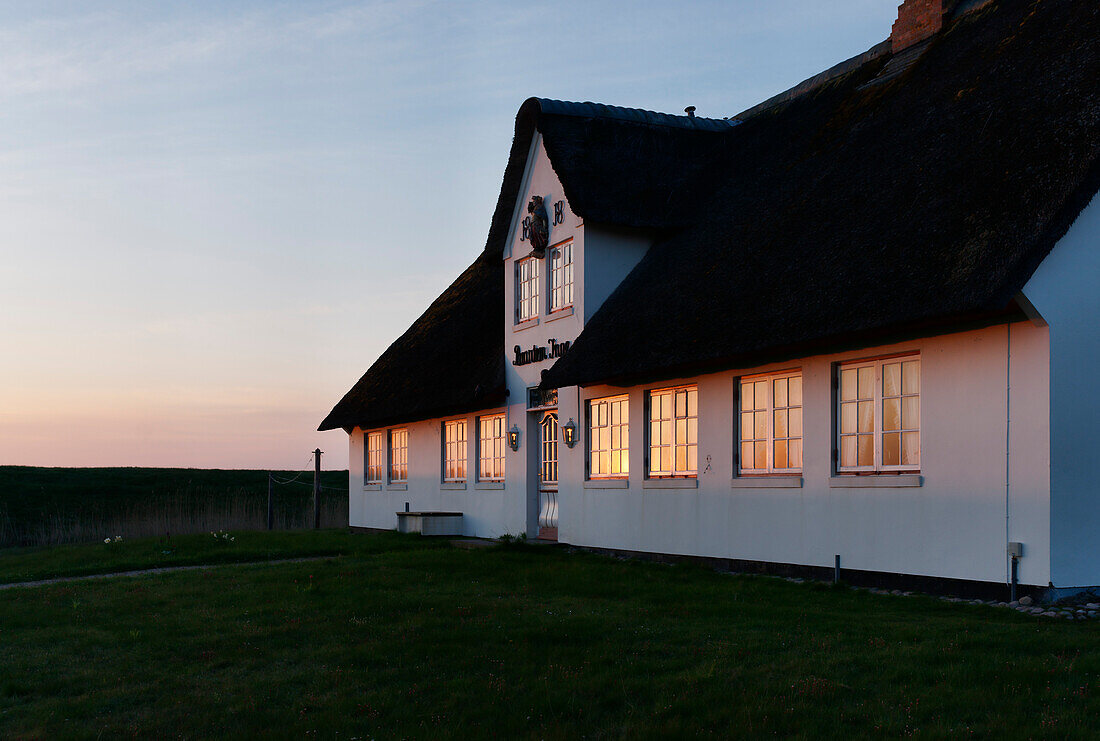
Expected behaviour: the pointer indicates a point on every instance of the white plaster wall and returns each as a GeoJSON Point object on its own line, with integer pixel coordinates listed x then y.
{"type": "Point", "coordinates": [489, 509]}
{"type": "Point", "coordinates": [954, 525]}
{"type": "Point", "coordinates": [1064, 290]}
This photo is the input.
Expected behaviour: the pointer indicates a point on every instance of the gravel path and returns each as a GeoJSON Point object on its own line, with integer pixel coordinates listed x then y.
{"type": "Point", "coordinates": [161, 570]}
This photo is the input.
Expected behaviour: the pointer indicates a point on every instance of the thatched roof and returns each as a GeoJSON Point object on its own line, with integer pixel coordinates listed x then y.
{"type": "Point", "coordinates": [890, 197]}
{"type": "Point", "coordinates": [867, 210]}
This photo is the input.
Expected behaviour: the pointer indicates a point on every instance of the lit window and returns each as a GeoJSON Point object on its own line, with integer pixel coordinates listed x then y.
{"type": "Point", "coordinates": [561, 276]}
{"type": "Point", "coordinates": [673, 432]}
{"type": "Point", "coordinates": [373, 453]}
{"type": "Point", "coordinates": [527, 289]}
{"type": "Point", "coordinates": [490, 448]}
{"type": "Point", "coordinates": [454, 451]}
{"type": "Point", "coordinates": [771, 423]}
{"type": "Point", "coordinates": [879, 415]}
{"type": "Point", "coordinates": [608, 438]}
{"type": "Point", "coordinates": [399, 456]}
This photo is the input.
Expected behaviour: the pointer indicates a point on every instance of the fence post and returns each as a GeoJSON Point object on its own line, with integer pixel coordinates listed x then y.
{"type": "Point", "coordinates": [317, 489]}
{"type": "Point", "coordinates": [270, 503]}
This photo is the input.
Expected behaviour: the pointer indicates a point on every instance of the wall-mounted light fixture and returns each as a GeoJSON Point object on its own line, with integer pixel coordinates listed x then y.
{"type": "Point", "coordinates": [569, 433]}
{"type": "Point", "coordinates": [513, 438]}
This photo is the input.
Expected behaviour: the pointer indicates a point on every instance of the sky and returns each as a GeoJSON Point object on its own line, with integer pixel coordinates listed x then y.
{"type": "Point", "coordinates": [214, 216]}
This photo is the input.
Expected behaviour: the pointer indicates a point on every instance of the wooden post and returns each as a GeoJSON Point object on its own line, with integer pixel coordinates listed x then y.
{"type": "Point", "coordinates": [317, 489]}
{"type": "Point", "coordinates": [270, 503]}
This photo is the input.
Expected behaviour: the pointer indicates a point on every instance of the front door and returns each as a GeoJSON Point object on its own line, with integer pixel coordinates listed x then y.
{"type": "Point", "coordinates": [548, 476]}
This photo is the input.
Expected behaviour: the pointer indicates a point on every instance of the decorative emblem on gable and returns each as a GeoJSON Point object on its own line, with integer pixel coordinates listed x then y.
{"type": "Point", "coordinates": [538, 225]}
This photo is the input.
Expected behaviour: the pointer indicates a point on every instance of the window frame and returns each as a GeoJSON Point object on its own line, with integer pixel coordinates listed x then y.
{"type": "Point", "coordinates": [533, 280]}
{"type": "Point", "coordinates": [769, 411]}
{"type": "Point", "coordinates": [877, 432]}
{"type": "Point", "coordinates": [460, 447]}
{"type": "Point", "coordinates": [381, 455]}
{"type": "Point", "coordinates": [501, 439]}
{"type": "Point", "coordinates": [390, 449]}
{"type": "Point", "coordinates": [567, 274]}
{"type": "Point", "coordinates": [624, 437]}
{"type": "Point", "coordinates": [671, 392]}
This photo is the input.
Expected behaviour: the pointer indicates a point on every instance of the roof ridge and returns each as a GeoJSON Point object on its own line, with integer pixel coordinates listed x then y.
{"type": "Point", "coordinates": [588, 109]}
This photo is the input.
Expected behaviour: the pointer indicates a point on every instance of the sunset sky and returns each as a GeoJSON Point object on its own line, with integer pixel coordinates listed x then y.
{"type": "Point", "coordinates": [216, 215]}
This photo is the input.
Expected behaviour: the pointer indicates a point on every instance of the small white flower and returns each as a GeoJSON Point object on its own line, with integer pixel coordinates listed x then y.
{"type": "Point", "coordinates": [106, 540]}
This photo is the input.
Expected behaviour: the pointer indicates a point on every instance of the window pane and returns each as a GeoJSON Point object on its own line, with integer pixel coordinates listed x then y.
{"type": "Point", "coordinates": [911, 380]}
{"type": "Point", "coordinates": [761, 430]}
{"type": "Point", "coordinates": [693, 402]}
{"type": "Point", "coordinates": [693, 431]}
{"type": "Point", "coordinates": [848, 417]}
{"type": "Point", "coordinates": [681, 404]}
{"type": "Point", "coordinates": [666, 459]}
{"type": "Point", "coordinates": [761, 454]}
{"type": "Point", "coordinates": [761, 394]}
{"type": "Point", "coordinates": [795, 421]}
{"type": "Point", "coordinates": [910, 449]}
{"type": "Point", "coordinates": [681, 457]}
{"type": "Point", "coordinates": [780, 429]}
{"type": "Point", "coordinates": [910, 414]}
{"type": "Point", "coordinates": [795, 394]}
{"type": "Point", "coordinates": [794, 451]}
{"type": "Point", "coordinates": [746, 426]}
{"type": "Point", "coordinates": [891, 414]}
{"type": "Point", "coordinates": [681, 431]}
{"type": "Point", "coordinates": [866, 450]}
{"type": "Point", "coordinates": [866, 416]}
{"type": "Point", "coordinates": [746, 397]}
{"type": "Point", "coordinates": [891, 379]}
{"type": "Point", "coordinates": [866, 383]}
{"type": "Point", "coordinates": [848, 450]}
{"type": "Point", "coordinates": [848, 384]}
{"type": "Point", "coordinates": [891, 449]}
{"type": "Point", "coordinates": [780, 457]}
{"type": "Point", "coordinates": [779, 387]}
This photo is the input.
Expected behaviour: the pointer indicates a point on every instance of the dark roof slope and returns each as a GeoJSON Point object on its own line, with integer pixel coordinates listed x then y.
{"type": "Point", "coordinates": [450, 361]}
{"type": "Point", "coordinates": [864, 208]}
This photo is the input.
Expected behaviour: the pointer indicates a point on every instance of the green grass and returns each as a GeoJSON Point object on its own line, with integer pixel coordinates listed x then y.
{"type": "Point", "coordinates": [405, 637]}
{"type": "Point", "coordinates": [46, 506]}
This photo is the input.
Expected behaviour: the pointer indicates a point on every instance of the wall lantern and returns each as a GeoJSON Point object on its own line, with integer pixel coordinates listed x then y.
{"type": "Point", "coordinates": [569, 433]}
{"type": "Point", "coordinates": [513, 438]}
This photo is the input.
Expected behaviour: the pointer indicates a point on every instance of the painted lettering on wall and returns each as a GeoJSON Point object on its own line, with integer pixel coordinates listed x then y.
{"type": "Point", "coordinates": [538, 353]}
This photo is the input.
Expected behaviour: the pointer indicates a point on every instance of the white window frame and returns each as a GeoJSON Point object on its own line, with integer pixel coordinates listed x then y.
{"type": "Point", "coordinates": [768, 412]}
{"type": "Point", "coordinates": [398, 455]}
{"type": "Point", "coordinates": [490, 448]}
{"type": "Point", "coordinates": [600, 415]}
{"type": "Point", "coordinates": [675, 441]}
{"type": "Point", "coordinates": [876, 399]}
{"type": "Point", "coordinates": [454, 442]}
{"type": "Point", "coordinates": [374, 457]}
{"type": "Point", "coordinates": [527, 289]}
{"type": "Point", "coordinates": [561, 276]}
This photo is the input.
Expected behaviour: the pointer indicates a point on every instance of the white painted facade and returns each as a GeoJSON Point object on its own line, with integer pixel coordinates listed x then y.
{"type": "Point", "coordinates": [1005, 451]}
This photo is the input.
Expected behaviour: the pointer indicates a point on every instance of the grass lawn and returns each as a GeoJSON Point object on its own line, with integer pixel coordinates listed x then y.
{"type": "Point", "coordinates": [407, 637]}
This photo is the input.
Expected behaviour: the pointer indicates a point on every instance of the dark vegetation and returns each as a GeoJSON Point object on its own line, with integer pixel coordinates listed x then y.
{"type": "Point", "coordinates": [406, 637]}
{"type": "Point", "coordinates": [41, 506]}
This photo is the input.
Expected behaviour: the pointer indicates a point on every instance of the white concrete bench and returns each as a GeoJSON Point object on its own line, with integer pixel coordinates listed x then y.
{"type": "Point", "coordinates": [430, 523]}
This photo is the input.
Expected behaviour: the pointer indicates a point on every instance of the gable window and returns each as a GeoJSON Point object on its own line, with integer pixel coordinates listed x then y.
{"type": "Point", "coordinates": [399, 456]}
{"type": "Point", "coordinates": [608, 438]}
{"type": "Point", "coordinates": [771, 423]}
{"type": "Point", "coordinates": [454, 451]}
{"type": "Point", "coordinates": [490, 447]}
{"type": "Point", "coordinates": [878, 415]}
{"type": "Point", "coordinates": [673, 432]}
{"type": "Point", "coordinates": [527, 289]}
{"type": "Point", "coordinates": [373, 453]}
{"type": "Point", "coordinates": [561, 276]}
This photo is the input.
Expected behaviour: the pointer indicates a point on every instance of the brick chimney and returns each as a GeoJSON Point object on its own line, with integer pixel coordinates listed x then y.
{"type": "Point", "coordinates": [917, 21]}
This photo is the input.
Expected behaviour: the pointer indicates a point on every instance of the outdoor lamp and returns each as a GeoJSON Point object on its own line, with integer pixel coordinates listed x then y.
{"type": "Point", "coordinates": [513, 438]}
{"type": "Point", "coordinates": [569, 433]}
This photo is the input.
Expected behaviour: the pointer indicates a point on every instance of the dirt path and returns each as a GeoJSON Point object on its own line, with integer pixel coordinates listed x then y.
{"type": "Point", "coordinates": [160, 570]}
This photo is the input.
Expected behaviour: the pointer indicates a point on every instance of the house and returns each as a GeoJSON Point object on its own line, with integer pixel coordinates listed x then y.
{"type": "Point", "coordinates": [856, 323]}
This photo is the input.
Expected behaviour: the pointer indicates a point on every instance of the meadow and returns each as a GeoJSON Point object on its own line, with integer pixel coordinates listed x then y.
{"type": "Point", "coordinates": [393, 636]}
{"type": "Point", "coordinates": [42, 506]}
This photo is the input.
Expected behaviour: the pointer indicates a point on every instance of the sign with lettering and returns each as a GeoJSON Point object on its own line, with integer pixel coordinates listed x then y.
{"type": "Point", "coordinates": [539, 353]}
{"type": "Point", "coordinates": [539, 398]}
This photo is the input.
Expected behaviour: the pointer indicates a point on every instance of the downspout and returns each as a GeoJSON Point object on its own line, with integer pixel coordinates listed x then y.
{"type": "Point", "coordinates": [1010, 577]}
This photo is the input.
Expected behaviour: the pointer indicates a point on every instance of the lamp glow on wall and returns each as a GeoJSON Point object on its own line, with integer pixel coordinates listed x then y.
{"type": "Point", "coordinates": [569, 433]}
{"type": "Point", "coordinates": [513, 438]}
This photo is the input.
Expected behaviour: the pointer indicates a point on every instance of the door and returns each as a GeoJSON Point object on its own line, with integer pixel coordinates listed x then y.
{"type": "Point", "coordinates": [548, 476]}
